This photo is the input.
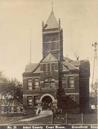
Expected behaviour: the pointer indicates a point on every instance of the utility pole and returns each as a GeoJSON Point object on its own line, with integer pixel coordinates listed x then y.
{"type": "Point", "coordinates": [94, 80]}
{"type": "Point", "coordinates": [95, 59]}
{"type": "Point", "coordinates": [30, 45]}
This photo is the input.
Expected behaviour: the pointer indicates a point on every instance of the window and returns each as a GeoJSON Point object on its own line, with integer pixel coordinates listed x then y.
{"type": "Point", "coordinates": [36, 83]}
{"type": "Point", "coordinates": [47, 46]}
{"type": "Point", "coordinates": [35, 100]}
{"type": "Point", "coordinates": [53, 67]}
{"type": "Point", "coordinates": [50, 46]}
{"type": "Point", "coordinates": [49, 82]}
{"type": "Point", "coordinates": [71, 82]}
{"type": "Point", "coordinates": [56, 66]}
{"type": "Point", "coordinates": [29, 84]}
{"type": "Point", "coordinates": [53, 44]}
{"type": "Point", "coordinates": [57, 45]}
{"type": "Point", "coordinates": [41, 67]}
{"type": "Point", "coordinates": [48, 67]}
{"type": "Point", "coordinates": [72, 97]}
{"type": "Point", "coordinates": [44, 67]}
{"type": "Point", "coordinates": [29, 100]}
{"type": "Point", "coordinates": [64, 82]}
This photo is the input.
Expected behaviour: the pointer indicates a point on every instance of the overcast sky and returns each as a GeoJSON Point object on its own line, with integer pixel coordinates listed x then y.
{"type": "Point", "coordinates": [79, 20]}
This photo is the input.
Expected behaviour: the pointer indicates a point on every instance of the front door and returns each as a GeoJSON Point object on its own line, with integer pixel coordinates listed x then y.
{"type": "Point", "coordinates": [47, 103]}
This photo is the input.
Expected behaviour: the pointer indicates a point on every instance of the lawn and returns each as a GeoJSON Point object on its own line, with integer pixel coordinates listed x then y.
{"type": "Point", "coordinates": [71, 119]}
{"type": "Point", "coordinates": [8, 119]}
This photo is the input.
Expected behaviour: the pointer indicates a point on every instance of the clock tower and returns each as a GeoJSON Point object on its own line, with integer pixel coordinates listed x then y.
{"type": "Point", "coordinates": [52, 37]}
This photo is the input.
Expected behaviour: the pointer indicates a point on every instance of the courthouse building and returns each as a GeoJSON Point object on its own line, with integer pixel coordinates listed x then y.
{"type": "Point", "coordinates": [55, 77]}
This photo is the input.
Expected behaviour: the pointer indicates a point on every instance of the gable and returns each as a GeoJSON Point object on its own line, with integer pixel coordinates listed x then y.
{"type": "Point", "coordinates": [49, 58]}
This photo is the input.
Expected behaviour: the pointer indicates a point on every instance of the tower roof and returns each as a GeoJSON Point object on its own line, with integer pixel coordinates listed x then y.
{"type": "Point", "coordinates": [51, 22]}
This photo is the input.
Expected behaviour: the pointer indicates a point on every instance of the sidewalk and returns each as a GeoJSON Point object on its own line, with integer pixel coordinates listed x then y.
{"type": "Point", "coordinates": [33, 118]}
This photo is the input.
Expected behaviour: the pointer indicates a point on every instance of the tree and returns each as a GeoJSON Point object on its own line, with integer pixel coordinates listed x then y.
{"type": "Point", "coordinates": [11, 89]}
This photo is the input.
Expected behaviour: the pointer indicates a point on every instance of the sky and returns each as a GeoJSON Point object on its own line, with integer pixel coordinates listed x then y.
{"type": "Point", "coordinates": [79, 20]}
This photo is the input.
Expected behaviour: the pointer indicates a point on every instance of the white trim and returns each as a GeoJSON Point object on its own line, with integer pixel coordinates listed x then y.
{"type": "Point", "coordinates": [41, 81]}
{"type": "Point", "coordinates": [56, 81]}
{"type": "Point", "coordinates": [73, 75]}
{"type": "Point", "coordinates": [30, 95]}
{"type": "Point", "coordinates": [52, 41]}
{"type": "Point", "coordinates": [27, 78]}
{"type": "Point", "coordinates": [72, 93]}
{"type": "Point", "coordinates": [47, 95]}
{"type": "Point", "coordinates": [31, 77]}
{"type": "Point", "coordinates": [56, 70]}
{"type": "Point", "coordinates": [71, 88]}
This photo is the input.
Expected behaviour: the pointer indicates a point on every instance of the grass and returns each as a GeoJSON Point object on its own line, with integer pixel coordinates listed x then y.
{"type": "Point", "coordinates": [8, 120]}
{"type": "Point", "coordinates": [88, 119]}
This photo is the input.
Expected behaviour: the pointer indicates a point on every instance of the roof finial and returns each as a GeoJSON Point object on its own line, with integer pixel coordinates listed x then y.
{"type": "Point", "coordinates": [52, 5]}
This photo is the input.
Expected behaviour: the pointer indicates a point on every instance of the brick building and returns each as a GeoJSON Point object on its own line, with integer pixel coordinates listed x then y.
{"type": "Point", "coordinates": [56, 79]}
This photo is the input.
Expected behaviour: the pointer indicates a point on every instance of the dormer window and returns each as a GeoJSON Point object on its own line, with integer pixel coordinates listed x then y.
{"type": "Point", "coordinates": [48, 67]}
{"type": "Point", "coordinates": [52, 66]}
{"type": "Point", "coordinates": [44, 67]}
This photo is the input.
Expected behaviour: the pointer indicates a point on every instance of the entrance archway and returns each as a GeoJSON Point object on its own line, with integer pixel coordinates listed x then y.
{"type": "Point", "coordinates": [47, 99]}
{"type": "Point", "coordinates": [46, 103]}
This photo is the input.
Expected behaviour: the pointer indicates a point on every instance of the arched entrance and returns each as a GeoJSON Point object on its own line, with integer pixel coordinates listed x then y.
{"type": "Point", "coordinates": [46, 103]}
{"type": "Point", "coordinates": [47, 99]}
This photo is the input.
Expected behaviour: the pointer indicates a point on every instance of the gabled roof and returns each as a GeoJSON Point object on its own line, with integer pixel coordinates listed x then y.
{"type": "Point", "coordinates": [65, 69]}
{"type": "Point", "coordinates": [31, 67]}
{"type": "Point", "coordinates": [34, 67]}
{"type": "Point", "coordinates": [67, 59]}
{"type": "Point", "coordinates": [51, 22]}
{"type": "Point", "coordinates": [49, 58]}
{"type": "Point", "coordinates": [75, 63]}
{"type": "Point", "coordinates": [37, 70]}
{"type": "Point", "coordinates": [69, 65]}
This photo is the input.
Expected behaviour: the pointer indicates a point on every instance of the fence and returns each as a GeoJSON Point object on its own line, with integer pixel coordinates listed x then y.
{"type": "Point", "coordinates": [76, 119]}
{"type": "Point", "coordinates": [11, 109]}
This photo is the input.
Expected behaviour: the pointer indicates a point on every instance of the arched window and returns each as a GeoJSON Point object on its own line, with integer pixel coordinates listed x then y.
{"type": "Point", "coordinates": [47, 45]}
{"type": "Point", "coordinates": [49, 82]}
{"type": "Point", "coordinates": [53, 44]}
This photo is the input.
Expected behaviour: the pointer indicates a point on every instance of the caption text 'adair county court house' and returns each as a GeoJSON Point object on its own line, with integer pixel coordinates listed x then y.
{"type": "Point", "coordinates": [56, 79]}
